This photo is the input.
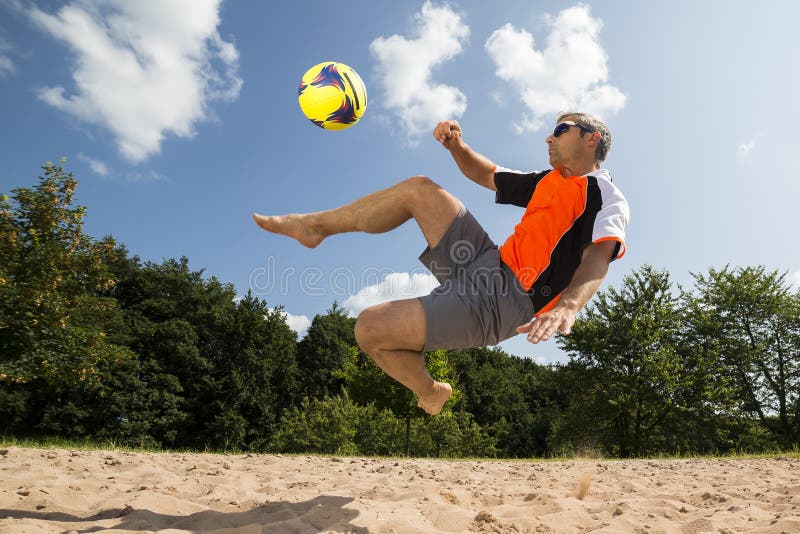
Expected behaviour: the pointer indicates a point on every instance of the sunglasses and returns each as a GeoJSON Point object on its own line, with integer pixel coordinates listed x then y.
{"type": "Point", "coordinates": [563, 127]}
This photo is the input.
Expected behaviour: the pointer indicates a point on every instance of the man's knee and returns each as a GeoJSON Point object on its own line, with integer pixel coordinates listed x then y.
{"type": "Point", "coordinates": [421, 189]}
{"type": "Point", "coordinates": [421, 185]}
{"type": "Point", "coordinates": [367, 329]}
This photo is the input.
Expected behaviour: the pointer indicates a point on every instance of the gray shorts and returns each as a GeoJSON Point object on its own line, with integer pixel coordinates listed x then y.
{"type": "Point", "coordinates": [479, 302]}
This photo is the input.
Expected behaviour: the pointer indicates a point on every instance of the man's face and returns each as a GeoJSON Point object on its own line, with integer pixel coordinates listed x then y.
{"type": "Point", "coordinates": [569, 147]}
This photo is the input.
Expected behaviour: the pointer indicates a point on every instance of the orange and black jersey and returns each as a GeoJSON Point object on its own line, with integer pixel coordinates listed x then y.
{"type": "Point", "coordinates": [563, 215]}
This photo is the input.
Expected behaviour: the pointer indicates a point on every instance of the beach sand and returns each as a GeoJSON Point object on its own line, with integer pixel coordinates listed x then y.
{"type": "Point", "coordinates": [57, 490]}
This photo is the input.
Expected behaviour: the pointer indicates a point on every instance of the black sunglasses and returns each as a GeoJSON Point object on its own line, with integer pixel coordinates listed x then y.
{"type": "Point", "coordinates": [563, 127]}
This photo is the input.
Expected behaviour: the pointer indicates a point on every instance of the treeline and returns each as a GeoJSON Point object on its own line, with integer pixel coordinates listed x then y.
{"type": "Point", "coordinates": [96, 344]}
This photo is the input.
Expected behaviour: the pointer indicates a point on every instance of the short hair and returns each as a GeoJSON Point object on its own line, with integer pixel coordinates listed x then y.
{"type": "Point", "coordinates": [596, 125]}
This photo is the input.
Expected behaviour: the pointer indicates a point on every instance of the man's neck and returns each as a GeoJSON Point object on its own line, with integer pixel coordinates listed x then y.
{"type": "Point", "coordinates": [576, 170]}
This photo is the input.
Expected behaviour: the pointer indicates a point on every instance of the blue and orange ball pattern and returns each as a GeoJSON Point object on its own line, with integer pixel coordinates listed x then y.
{"type": "Point", "coordinates": [332, 95]}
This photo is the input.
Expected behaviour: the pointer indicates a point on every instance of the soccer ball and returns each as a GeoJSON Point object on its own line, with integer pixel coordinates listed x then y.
{"type": "Point", "coordinates": [332, 95]}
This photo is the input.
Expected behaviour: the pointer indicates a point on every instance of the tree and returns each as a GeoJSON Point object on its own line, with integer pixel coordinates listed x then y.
{"type": "Point", "coordinates": [164, 306]}
{"type": "Point", "coordinates": [53, 323]}
{"type": "Point", "coordinates": [258, 377]}
{"type": "Point", "coordinates": [512, 397]}
{"type": "Point", "coordinates": [630, 373]}
{"type": "Point", "coordinates": [324, 426]}
{"type": "Point", "coordinates": [367, 384]}
{"type": "Point", "coordinates": [754, 318]}
{"type": "Point", "coordinates": [212, 371]}
{"type": "Point", "coordinates": [452, 434]}
{"type": "Point", "coordinates": [323, 352]}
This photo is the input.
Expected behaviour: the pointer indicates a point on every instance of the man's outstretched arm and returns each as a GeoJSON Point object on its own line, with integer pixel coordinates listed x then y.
{"type": "Point", "coordinates": [584, 284]}
{"type": "Point", "coordinates": [474, 166]}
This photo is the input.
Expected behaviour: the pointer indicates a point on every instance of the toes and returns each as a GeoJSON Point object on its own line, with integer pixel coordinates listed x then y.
{"type": "Point", "coordinates": [425, 408]}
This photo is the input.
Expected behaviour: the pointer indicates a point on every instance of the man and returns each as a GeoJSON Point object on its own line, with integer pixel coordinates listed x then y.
{"type": "Point", "coordinates": [535, 283]}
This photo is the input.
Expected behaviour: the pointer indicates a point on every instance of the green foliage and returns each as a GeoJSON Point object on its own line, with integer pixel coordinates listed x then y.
{"type": "Point", "coordinates": [53, 324]}
{"type": "Point", "coordinates": [366, 383]}
{"type": "Point", "coordinates": [96, 345]}
{"type": "Point", "coordinates": [324, 426]}
{"type": "Point", "coordinates": [651, 372]}
{"type": "Point", "coordinates": [337, 425]}
{"type": "Point", "coordinates": [230, 366]}
{"type": "Point", "coordinates": [452, 435]}
{"type": "Point", "coordinates": [753, 318]}
{"type": "Point", "coordinates": [631, 376]}
{"type": "Point", "coordinates": [324, 350]}
{"type": "Point", "coordinates": [512, 397]}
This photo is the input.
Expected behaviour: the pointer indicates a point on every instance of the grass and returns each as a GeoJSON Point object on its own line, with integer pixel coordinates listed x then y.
{"type": "Point", "coordinates": [110, 445]}
{"type": "Point", "coordinates": [89, 445]}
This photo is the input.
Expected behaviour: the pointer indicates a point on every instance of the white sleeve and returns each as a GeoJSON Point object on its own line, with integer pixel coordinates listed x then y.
{"type": "Point", "coordinates": [612, 219]}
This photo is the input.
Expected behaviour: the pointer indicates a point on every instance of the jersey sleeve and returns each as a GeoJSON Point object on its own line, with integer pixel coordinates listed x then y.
{"type": "Point", "coordinates": [612, 219]}
{"type": "Point", "coordinates": [515, 187]}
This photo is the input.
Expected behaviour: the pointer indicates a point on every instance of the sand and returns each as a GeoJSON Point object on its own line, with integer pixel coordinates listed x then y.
{"type": "Point", "coordinates": [113, 491]}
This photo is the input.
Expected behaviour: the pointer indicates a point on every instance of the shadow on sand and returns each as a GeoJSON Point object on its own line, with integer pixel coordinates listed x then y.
{"type": "Point", "coordinates": [325, 512]}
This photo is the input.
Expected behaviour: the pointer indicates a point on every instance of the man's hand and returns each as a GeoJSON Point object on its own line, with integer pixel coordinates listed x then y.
{"type": "Point", "coordinates": [547, 324]}
{"type": "Point", "coordinates": [448, 133]}
{"type": "Point", "coordinates": [471, 164]}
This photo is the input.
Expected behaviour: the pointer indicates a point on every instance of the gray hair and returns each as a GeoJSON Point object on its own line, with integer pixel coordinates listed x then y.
{"type": "Point", "coordinates": [596, 125]}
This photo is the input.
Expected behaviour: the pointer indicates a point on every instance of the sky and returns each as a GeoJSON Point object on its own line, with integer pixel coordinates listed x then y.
{"type": "Point", "coordinates": [180, 119]}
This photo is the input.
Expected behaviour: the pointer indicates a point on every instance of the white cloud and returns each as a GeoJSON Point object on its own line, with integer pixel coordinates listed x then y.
{"type": "Point", "coordinates": [393, 287]}
{"type": "Point", "coordinates": [744, 149]}
{"type": "Point", "coordinates": [97, 166]}
{"type": "Point", "coordinates": [7, 67]}
{"type": "Point", "coordinates": [569, 73]}
{"type": "Point", "coordinates": [405, 66]}
{"type": "Point", "coordinates": [298, 323]}
{"type": "Point", "coordinates": [499, 98]}
{"type": "Point", "coordinates": [143, 69]}
{"type": "Point", "coordinates": [149, 176]}
{"type": "Point", "coordinates": [796, 277]}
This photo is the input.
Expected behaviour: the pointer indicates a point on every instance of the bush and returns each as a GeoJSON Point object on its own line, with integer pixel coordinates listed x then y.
{"type": "Point", "coordinates": [336, 425]}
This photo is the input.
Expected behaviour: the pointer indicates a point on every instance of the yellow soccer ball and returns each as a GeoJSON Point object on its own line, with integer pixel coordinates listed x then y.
{"type": "Point", "coordinates": [332, 95]}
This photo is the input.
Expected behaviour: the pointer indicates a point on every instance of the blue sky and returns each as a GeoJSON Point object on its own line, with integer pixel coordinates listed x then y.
{"type": "Point", "coordinates": [180, 119]}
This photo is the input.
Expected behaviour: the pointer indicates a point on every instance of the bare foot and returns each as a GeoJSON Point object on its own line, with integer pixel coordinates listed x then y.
{"type": "Point", "coordinates": [291, 225]}
{"type": "Point", "coordinates": [433, 403]}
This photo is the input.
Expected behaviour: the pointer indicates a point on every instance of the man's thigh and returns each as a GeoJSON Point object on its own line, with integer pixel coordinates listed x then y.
{"type": "Point", "coordinates": [464, 241]}
{"type": "Point", "coordinates": [433, 207]}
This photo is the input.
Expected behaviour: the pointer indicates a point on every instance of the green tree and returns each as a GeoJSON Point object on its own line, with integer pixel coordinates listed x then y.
{"type": "Point", "coordinates": [512, 397]}
{"type": "Point", "coordinates": [630, 377]}
{"type": "Point", "coordinates": [754, 318]}
{"type": "Point", "coordinates": [162, 303]}
{"type": "Point", "coordinates": [212, 371]}
{"type": "Point", "coordinates": [258, 376]}
{"type": "Point", "coordinates": [337, 425]}
{"type": "Point", "coordinates": [452, 434]}
{"type": "Point", "coordinates": [715, 422]}
{"type": "Point", "coordinates": [366, 383]}
{"type": "Point", "coordinates": [326, 426]}
{"type": "Point", "coordinates": [321, 354]}
{"type": "Point", "coordinates": [53, 323]}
